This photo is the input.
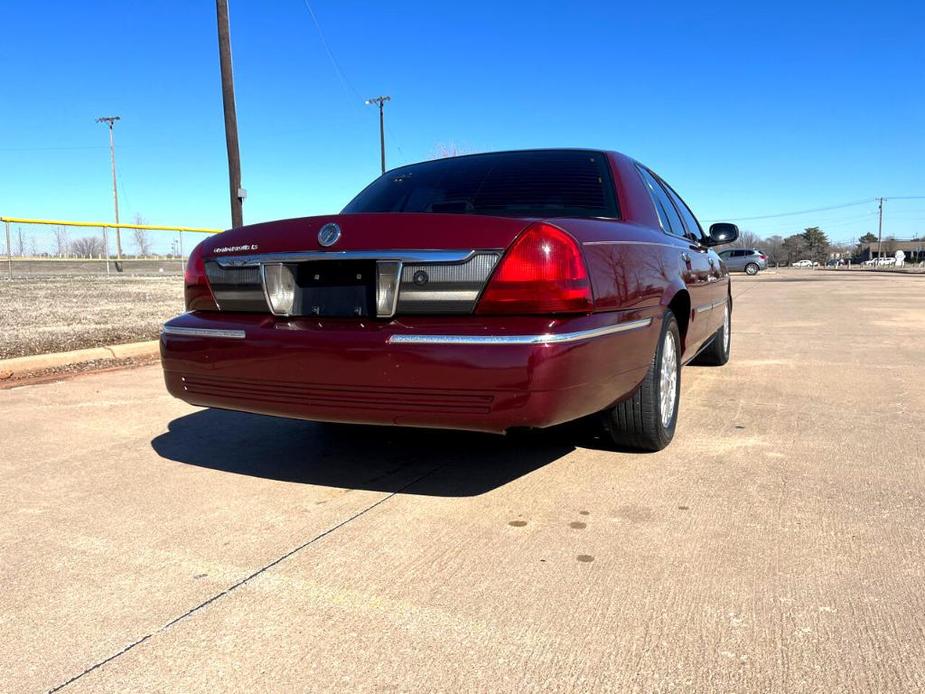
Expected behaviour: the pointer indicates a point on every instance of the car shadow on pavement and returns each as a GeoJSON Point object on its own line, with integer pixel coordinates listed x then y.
{"type": "Point", "coordinates": [386, 459]}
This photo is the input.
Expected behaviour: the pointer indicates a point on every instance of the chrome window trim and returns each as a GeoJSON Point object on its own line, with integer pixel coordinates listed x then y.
{"type": "Point", "coordinates": [203, 332]}
{"type": "Point", "coordinates": [634, 243]}
{"type": "Point", "coordinates": [544, 339]}
{"type": "Point", "coordinates": [402, 256]}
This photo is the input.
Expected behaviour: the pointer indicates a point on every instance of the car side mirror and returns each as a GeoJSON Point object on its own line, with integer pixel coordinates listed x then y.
{"type": "Point", "coordinates": [721, 233]}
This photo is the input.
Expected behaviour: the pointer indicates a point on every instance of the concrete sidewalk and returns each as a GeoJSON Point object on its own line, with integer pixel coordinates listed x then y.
{"type": "Point", "coordinates": [778, 545]}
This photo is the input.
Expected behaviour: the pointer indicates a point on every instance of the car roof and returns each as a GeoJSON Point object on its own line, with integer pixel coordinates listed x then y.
{"type": "Point", "coordinates": [590, 150]}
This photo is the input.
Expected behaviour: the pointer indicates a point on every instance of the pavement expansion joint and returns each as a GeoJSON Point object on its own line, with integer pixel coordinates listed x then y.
{"type": "Point", "coordinates": [233, 587]}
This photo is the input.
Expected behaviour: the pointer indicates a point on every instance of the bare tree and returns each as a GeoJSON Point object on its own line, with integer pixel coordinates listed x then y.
{"type": "Point", "coordinates": [446, 150]}
{"type": "Point", "coordinates": [20, 242]}
{"type": "Point", "coordinates": [142, 241]}
{"type": "Point", "coordinates": [774, 247]}
{"type": "Point", "coordinates": [61, 241]}
{"type": "Point", "coordinates": [747, 239]}
{"type": "Point", "coordinates": [87, 247]}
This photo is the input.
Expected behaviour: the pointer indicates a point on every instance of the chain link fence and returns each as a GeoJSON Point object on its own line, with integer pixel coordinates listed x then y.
{"type": "Point", "coordinates": [40, 247]}
{"type": "Point", "coordinates": [69, 285]}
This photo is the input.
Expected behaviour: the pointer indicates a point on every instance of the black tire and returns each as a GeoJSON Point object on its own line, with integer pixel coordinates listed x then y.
{"type": "Point", "coordinates": [637, 421]}
{"type": "Point", "coordinates": [717, 352]}
{"type": "Point", "coordinates": [751, 269]}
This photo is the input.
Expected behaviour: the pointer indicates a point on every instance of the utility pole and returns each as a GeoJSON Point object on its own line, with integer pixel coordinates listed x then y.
{"type": "Point", "coordinates": [231, 119]}
{"type": "Point", "coordinates": [880, 230]}
{"type": "Point", "coordinates": [111, 121]}
{"type": "Point", "coordinates": [380, 100]}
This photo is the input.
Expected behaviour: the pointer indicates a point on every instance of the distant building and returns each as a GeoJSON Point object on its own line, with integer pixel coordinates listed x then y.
{"type": "Point", "coordinates": [914, 250]}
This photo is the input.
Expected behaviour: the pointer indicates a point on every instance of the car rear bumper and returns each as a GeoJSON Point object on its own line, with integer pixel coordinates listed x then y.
{"type": "Point", "coordinates": [485, 374]}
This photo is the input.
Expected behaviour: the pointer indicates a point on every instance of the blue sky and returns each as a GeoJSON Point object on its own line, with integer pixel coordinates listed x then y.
{"type": "Point", "coordinates": [747, 110]}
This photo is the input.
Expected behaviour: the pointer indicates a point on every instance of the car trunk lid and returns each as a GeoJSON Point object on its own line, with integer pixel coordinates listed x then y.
{"type": "Point", "coordinates": [358, 265]}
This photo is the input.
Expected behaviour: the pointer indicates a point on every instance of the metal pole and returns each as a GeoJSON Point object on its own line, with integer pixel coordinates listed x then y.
{"type": "Point", "coordinates": [880, 231]}
{"type": "Point", "coordinates": [9, 250]}
{"type": "Point", "coordinates": [231, 118]}
{"type": "Point", "coordinates": [106, 247]}
{"type": "Point", "coordinates": [180, 234]}
{"type": "Point", "coordinates": [115, 190]}
{"type": "Point", "coordinates": [380, 100]}
{"type": "Point", "coordinates": [111, 121]}
{"type": "Point", "coordinates": [382, 135]}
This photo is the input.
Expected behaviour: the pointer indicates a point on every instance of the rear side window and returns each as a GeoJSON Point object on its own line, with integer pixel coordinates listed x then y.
{"type": "Point", "coordinates": [690, 221]}
{"type": "Point", "coordinates": [537, 183]}
{"type": "Point", "coordinates": [667, 214]}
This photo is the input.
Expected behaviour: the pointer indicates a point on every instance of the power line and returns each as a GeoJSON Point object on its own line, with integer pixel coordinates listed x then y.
{"type": "Point", "coordinates": [49, 149]}
{"type": "Point", "coordinates": [341, 75]}
{"type": "Point", "coordinates": [790, 214]}
{"type": "Point", "coordinates": [819, 209]}
{"type": "Point", "coordinates": [324, 42]}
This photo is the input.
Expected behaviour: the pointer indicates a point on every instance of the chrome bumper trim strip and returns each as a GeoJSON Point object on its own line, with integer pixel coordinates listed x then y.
{"type": "Point", "coordinates": [703, 308]}
{"type": "Point", "coordinates": [404, 256]}
{"type": "Point", "coordinates": [545, 339]}
{"type": "Point", "coordinates": [203, 332]}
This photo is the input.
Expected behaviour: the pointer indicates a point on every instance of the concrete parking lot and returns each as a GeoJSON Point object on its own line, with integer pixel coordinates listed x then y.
{"type": "Point", "coordinates": [777, 545]}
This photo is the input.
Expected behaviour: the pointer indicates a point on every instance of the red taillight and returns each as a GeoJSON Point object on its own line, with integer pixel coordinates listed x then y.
{"type": "Point", "coordinates": [543, 272]}
{"type": "Point", "coordinates": [196, 292]}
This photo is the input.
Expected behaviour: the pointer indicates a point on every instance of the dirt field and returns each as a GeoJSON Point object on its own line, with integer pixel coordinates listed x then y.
{"type": "Point", "coordinates": [58, 312]}
{"type": "Point", "coordinates": [778, 544]}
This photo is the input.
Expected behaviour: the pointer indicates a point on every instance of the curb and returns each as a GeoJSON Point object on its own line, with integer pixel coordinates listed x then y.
{"type": "Point", "coordinates": [20, 366]}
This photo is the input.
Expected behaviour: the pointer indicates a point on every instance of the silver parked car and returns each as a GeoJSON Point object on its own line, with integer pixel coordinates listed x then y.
{"type": "Point", "coordinates": [746, 260]}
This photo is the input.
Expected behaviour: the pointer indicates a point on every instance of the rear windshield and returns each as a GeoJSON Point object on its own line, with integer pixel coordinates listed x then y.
{"type": "Point", "coordinates": [542, 183]}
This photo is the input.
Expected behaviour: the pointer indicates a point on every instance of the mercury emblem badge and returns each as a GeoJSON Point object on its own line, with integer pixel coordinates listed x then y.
{"type": "Point", "coordinates": [329, 234]}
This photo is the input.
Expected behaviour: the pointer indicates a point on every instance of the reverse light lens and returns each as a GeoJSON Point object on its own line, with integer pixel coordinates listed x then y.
{"type": "Point", "coordinates": [543, 272]}
{"type": "Point", "coordinates": [279, 284]}
{"type": "Point", "coordinates": [388, 275]}
{"type": "Point", "coordinates": [196, 292]}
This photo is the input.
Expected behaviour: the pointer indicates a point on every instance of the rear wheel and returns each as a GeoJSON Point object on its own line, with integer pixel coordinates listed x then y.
{"type": "Point", "coordinates": [717, 352]}
{"type": "Point", "coordinates": [751, 269]}
{"type": "Point", "coordinates": [646, 420]}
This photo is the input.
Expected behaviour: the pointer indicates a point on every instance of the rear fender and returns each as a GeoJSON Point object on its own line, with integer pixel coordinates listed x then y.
{"type": "Point", "coordinates": [677, 298]}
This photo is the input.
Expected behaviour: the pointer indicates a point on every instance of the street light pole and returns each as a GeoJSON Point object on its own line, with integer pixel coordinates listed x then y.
{"type": "Point", "coordinates": [231, 119]}
{"type": "Point", "coordinates": [111, 121]}
{"type": "Point", "coordinates": [380, 100]}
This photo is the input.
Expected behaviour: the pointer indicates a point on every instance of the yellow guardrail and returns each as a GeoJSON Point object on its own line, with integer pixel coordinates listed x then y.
{"type": "Point", "coordinates": [108, 225]}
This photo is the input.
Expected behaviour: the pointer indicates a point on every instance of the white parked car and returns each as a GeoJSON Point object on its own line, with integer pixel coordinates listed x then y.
{"type": "Point", "coordinates": [804, 263]}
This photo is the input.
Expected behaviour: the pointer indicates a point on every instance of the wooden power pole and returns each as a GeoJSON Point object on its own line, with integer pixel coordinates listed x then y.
{"type": "Point", "coordinates": [880, 231]}
{"type": "Point", "coordinates": [380, 100]}
{"type": "Point", "coordinates": [231, 120]}
{"type": "Point", "coordinates": [111, 121]}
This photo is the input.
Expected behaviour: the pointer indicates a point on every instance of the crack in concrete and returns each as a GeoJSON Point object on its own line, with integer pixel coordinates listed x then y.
{"type": "Point", "coordinates": [238, 584]}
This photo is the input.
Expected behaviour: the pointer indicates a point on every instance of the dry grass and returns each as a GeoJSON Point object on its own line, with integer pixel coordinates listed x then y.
{"type": "Point", "coordinates": [58, 313]}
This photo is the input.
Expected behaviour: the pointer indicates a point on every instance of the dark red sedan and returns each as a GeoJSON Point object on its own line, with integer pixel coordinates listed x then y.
{"type": "Point", "coordinates": [484, 292]}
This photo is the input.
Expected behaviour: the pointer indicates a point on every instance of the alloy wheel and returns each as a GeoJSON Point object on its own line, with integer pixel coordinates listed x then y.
{"type": "Point", "coordinates": [668, 379]}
